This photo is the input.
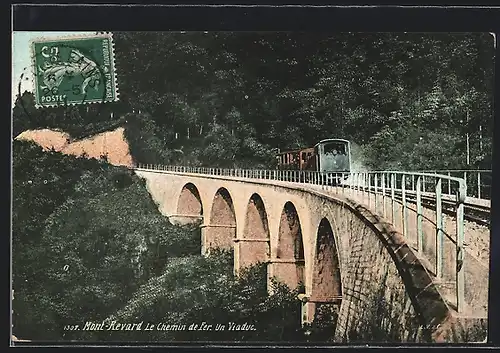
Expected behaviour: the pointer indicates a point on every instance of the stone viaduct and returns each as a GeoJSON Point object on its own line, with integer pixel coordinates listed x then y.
{"type": "Point", "coordinates": [347, 258]}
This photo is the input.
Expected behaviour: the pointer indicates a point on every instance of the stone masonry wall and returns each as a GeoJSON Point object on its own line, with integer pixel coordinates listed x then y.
{"type": "Point", "coordinates": [387, 294]}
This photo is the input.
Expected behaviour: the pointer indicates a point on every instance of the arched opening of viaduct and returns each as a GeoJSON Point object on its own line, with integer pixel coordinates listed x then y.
{"type": "Point", "coordinates": [326, 296]}
{"type": "Point", "coordinates": [287, 264]}
{"type": "Point", "coordinates": [221, 230]}
{"type": "Point", "coordinates": [189, 206]}
{"type": "Point", "coordinates": [253, 247]}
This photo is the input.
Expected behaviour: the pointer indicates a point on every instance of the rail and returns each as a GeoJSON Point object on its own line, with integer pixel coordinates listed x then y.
{"type": "Point", "coordinates": [478, 181]}
{"type": "Point", "coordinates": [397, 195]}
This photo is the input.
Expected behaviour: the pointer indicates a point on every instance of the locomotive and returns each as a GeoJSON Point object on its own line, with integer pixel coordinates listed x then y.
{"type": "Point", "coordinates": [327, 156]}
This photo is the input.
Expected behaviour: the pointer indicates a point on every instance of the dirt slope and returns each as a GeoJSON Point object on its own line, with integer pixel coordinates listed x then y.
{"type": "Point", "coordinates": [111, 144]}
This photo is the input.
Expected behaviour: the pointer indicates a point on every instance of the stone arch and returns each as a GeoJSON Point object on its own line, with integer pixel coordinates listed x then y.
{"type": "Point", "coordinates": [326, 282]}
{"type": "Point", "coordinates": [288, 265]}
{"type": "Point", "coordinates": [254, 246]}
{"type": "Point", "coordinates": [256, 223]}
{"type": "Point", "coordinates": [290, 244]}
{"type": "Point", "coordinates": [221, 230]}
{"type": "Point", "coordinates": [189, 206]}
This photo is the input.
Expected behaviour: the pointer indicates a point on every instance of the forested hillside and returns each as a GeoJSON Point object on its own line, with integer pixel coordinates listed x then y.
{"type": "Point", "coordinates": [89, 244]}
{"type": "Point", "coordinates": [406, 100]}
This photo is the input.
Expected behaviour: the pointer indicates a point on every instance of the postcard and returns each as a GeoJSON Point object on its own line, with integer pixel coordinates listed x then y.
{"type": "Point", "coordinates": [223, 186]}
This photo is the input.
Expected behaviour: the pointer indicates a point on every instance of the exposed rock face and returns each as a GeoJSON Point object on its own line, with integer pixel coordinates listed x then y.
{"type": "Point", "coordinates": [111, 144]}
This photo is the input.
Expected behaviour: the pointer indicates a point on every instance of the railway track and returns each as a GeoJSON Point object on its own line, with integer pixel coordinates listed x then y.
{"type": "Point", "coordinates": [472, 212]}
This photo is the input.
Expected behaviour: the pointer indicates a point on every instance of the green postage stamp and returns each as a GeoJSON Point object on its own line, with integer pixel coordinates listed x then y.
{"type": "Point", "coordinates": [74, 70]}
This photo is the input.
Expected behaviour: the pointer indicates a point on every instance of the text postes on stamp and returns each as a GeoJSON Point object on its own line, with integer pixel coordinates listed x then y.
{"type": "Point", "coordinates": [74, 70]}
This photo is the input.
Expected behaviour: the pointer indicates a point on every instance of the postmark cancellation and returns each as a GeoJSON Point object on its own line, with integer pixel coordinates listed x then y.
{"type": "Point", "coordinates": [74, 70]}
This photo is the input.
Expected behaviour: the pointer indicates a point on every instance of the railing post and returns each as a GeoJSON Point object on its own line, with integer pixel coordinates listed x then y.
{"type": "Point", "coordinates": [393, 186]}
{"type": "Point", "coordinates": [369, 188]}
{"type": "Point", "coordinates": [375, 177]}
{"type": "Point", "coordinates": [449, 183]}
{"type": "Point", "coordinates": [460, 269]}
{"type": "Point", "coordinates": [383, 193]}
{"type": "Point", "coordinates": [365, 181]}
{"type": "Point", "coordinates": [403, 194]}
{"type": "Point", "coordinates": [420, 234]}
{"type": "Point", "coordinates": [478, 184]}
{"type": "Point", "coordinates": [465, 178]}
{"type": "Point", "coordinates": [439, 231]}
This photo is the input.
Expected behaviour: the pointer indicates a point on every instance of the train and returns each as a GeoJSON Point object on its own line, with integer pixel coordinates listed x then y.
{"type": "Point", "coordinates": [328, 156]}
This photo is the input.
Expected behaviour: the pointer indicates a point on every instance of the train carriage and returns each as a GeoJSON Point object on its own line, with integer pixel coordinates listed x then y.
{"type": "Point", "coordinates": [328, 156]}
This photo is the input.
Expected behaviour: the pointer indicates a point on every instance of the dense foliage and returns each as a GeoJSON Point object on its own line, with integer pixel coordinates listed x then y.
{"type": "Point", "coordinates": [408, 100]}
{"type": "Point", "coordinates": [88, 228]}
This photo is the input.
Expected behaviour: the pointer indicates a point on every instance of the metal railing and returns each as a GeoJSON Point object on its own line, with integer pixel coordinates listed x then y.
{"type": "Point", "coordinates": [478, 181]}
{"type": "Point", "coordinates": [404, 198]}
